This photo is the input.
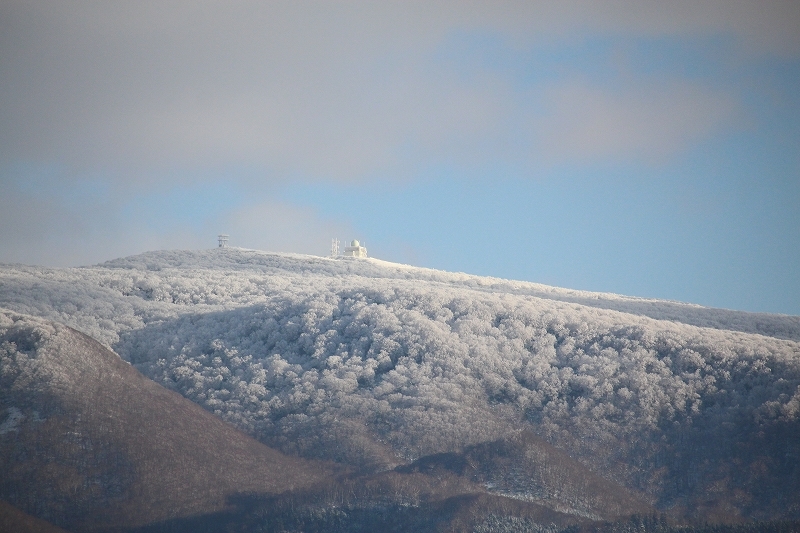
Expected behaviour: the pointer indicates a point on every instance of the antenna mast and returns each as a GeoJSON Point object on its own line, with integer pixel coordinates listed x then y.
{"type": "Point", "coordinates": [334, 247]}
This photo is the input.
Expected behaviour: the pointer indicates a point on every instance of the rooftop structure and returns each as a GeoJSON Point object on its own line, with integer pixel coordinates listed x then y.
{"type": "Point", "coordinates": [223, 240]}
{"type": "Point", "coordinates": [355, 250]}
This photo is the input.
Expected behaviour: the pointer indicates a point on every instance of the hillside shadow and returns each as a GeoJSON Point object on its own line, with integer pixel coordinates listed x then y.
{"type": "Point", "coordinates": [199, 355]}
{"type": "Point", "coordinates": [313, 512]}
{"type": "Point", "coordinates": [699, 468]}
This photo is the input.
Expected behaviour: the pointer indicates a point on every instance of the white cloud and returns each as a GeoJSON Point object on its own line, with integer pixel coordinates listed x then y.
{"type": "Point", "coordinates": [649, 124]}
{"type": "Point", "coordinates": [141, 95]}
{"type": "Point", "coordinates": [42, 227]}
{"type": "Point", "coordinates": [327, 91]}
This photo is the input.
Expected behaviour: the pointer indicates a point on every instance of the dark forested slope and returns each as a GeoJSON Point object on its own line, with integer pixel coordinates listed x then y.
{"type": "Point", "coordinates": [13, 520]}
{"type": "Point", "coordinates": [90, 442]}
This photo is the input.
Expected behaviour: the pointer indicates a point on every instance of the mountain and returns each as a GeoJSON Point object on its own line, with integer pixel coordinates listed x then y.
{"type": "Point", "coordinates": [88, 442]}
{"type": "Point", "coordinates": [378, 366]}
{"type": "Point", "coordinates": [92, 445]}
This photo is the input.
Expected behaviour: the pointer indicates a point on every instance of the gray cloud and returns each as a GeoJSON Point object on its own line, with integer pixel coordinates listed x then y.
{"type": "Point", "coordinates": [139, 97]}
{"type": "Point", "coordinates": [314, 89]}
{"type": "Point", "coordinates": [649, 125]}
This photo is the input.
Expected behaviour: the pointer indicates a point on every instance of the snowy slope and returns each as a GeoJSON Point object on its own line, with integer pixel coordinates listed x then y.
{"type": "Point", "coordinates": [376, 364]}
{"type": "Point", "coordinates": [232, 260]}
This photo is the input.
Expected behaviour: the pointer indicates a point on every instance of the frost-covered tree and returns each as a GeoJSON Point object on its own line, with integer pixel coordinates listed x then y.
{"type": "Point", "coordinates": [376, 364]}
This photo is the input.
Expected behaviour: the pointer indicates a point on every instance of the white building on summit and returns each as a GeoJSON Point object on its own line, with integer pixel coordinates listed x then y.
{"type": "Point", "coordinates": [355, 250]}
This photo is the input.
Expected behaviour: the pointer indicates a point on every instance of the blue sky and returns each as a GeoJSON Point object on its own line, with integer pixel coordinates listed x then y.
{"type": "Point", "coordinates": [640, 148]}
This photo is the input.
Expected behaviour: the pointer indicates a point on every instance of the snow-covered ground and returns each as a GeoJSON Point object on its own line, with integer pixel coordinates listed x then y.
{"type": "Point", "coordinates": [375, 363]}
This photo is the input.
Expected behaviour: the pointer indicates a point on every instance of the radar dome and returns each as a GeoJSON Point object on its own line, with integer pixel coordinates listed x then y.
{"type": "Point", "coordinates": [354, 244]}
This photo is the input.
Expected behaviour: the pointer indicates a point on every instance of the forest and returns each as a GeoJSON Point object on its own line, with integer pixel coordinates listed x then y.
{"type": "Point", "coordinates": [375, 366]}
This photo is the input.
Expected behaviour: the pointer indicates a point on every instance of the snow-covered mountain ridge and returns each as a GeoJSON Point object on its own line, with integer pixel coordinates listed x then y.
{"type": "Point", "coordinates": [375, 364]}
{"type": "Point", "coordinates": [774, 325]}
{"type": "Point", "coordinates": [239, 260]}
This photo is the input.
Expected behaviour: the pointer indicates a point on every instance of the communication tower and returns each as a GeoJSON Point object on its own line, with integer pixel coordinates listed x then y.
{"type": "Point", "coordinates": [334, 247]}
{"type": "Point", "coordinates": [223, 240]}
